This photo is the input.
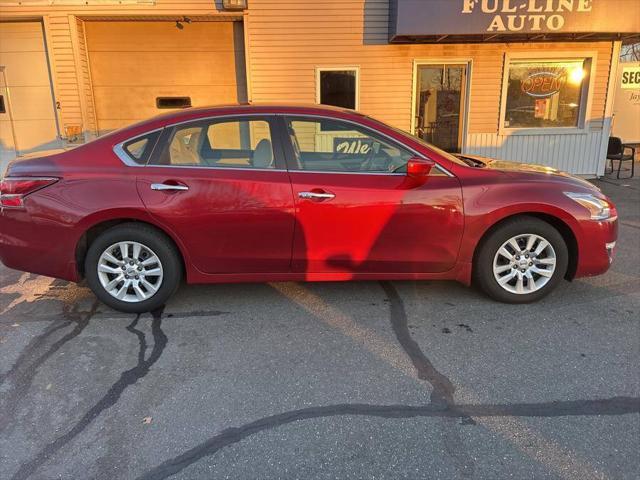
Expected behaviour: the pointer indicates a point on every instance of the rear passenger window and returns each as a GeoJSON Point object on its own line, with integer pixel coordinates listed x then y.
{"type": "Point", "coordinates": [237, 143]}
{"type": "Point", "coordinates": [140, 148]}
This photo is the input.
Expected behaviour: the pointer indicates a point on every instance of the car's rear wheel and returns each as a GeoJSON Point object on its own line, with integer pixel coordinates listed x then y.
{"type": "Point", "coordinates": [521, 261]}
{"type": "Point", "coordinates": [133, 268]}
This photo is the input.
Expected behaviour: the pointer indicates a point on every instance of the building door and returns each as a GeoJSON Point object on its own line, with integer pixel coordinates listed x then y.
{"type": "Point", "coordinates": [142, 69]}
{"type": "Point", "coordinates": [27, 116]}
{"type": "Point", "coordinates": [440, 104]}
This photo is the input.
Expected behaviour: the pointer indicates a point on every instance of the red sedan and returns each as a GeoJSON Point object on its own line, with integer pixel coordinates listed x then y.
{"type": "Point", "coordinates": [281, 193]}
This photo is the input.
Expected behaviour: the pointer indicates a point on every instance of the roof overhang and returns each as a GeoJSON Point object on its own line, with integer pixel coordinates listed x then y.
{"type": "Point", "coordinates": [479, 21]}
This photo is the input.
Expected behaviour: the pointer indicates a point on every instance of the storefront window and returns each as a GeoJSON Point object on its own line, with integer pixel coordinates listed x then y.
{"type": "Point", "coordinates": [545, 94]}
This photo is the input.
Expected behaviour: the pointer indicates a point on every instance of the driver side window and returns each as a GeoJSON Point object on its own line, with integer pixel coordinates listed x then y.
{"type": "Point", "coordinates": [324, 145]}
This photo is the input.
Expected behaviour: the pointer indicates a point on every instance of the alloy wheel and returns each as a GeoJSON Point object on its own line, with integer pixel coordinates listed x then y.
{"type": "Point", "coordinates": [130, 271]}
{"type": "Point", "coordinates": [524, 264]}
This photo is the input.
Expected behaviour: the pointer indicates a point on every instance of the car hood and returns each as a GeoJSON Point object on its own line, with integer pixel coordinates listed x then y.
{"type": "Point", "coordinates": [534, 172]}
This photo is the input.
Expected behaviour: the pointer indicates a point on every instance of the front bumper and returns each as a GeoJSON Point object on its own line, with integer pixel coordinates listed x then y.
{"type": "Point", "coordinates": [596, 246]}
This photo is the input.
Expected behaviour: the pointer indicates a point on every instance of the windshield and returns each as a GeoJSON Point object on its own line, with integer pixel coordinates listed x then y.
{"type": "Point", "coordinates": [439, 151]}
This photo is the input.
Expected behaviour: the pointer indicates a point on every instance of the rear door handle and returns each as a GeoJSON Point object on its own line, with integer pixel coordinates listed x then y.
{"type": "Point", "coordinates": [316, 195]}
{"type": "Point", "coordinates": [166, 186]}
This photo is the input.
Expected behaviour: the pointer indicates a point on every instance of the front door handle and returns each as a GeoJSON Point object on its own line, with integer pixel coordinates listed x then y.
{"type": "Point", "coordinates": [316, 195]}
{"type": "Point", "coordinates": [166, 186]}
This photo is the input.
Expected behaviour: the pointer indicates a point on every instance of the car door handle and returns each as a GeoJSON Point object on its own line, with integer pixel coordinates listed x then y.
{"type": "Point", "coordinates": [166, 186]}
{"type": "Point", "coordinates": [316, 195]}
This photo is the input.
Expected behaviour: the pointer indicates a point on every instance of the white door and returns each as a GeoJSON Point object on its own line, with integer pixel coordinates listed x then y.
{"type": "Point", "coordinates": [28, 123]}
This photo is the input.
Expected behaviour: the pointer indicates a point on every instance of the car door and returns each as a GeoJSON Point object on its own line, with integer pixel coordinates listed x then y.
{"type": "Point", "coordinates": [221, 186]}
{"type": "Point", "coordinates": [357, 211]}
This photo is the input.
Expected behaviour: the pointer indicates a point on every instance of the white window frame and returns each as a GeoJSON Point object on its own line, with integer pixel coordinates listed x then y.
{"type": "Point", "coordinates": [352, 68]}
{"type": "Point", "coordinates": [586, 98]}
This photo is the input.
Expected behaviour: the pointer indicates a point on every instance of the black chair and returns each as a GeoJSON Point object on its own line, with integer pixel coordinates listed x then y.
{"type": "Point", "coordinates": [616, 151]}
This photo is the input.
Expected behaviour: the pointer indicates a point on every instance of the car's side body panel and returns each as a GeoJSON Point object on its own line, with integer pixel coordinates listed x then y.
{"type": "Point", "coordinates": [491, 198]}
{"type": "Point", "coordinates": [43, 238]}
{"type": "Point", "coordinates": [96, 186]}
{"type": "Point", "coordinates": [377, 224]}
{"type": "Point", "coordinates": [230, 221]}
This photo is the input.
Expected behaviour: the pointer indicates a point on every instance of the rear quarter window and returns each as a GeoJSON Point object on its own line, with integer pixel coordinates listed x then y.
{"type": "Point", "coordinates": [139, 149]}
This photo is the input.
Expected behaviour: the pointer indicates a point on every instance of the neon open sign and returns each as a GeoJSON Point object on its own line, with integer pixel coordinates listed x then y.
{"type": "Point", "coordinates": [543, 84]}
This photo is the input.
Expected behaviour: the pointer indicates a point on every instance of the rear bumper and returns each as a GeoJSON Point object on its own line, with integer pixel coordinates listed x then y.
{"type": "Point", "coordinates": [37, 244]}
{"type": "Point", "coordinates": [596, 247]}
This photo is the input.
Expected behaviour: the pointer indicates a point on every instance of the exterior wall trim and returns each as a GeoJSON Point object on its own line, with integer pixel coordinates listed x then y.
{"type": "Point", "coordinates": [94, 120]}
{"type": "Point", "coordinates": [73, 29]}
{"type": "Point", "coordinates": [247, 56]}
{"type": "Point", "coordinates": [51, 62]}
{"type": "Point", "coordinates": [608, 106]}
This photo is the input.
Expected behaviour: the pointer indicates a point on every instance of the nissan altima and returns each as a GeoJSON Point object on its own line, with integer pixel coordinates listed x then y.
{"type": "Point", "coordinates": [254, 193]}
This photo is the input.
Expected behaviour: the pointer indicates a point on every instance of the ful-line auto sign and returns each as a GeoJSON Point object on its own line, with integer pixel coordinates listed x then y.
{"type": "Point", "coordinates": [529, 15]}
{"type": "Point", "coordinates": [415, 19]}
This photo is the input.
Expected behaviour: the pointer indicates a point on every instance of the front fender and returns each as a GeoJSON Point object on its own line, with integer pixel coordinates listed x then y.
{"type": "Point", "coordinates": [491, 206]}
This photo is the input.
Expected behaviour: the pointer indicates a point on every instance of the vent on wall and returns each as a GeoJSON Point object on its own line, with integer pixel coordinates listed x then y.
{"type": "Point", "coordinates": [173, 102]}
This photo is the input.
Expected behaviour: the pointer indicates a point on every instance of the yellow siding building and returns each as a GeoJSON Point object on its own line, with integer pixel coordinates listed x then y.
{"type": "Point", "coordinates": [71, 70]}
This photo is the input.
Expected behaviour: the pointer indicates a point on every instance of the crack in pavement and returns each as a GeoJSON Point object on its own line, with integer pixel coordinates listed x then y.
{"type": "Point", "coordinates": [627, 224]}
{"type": "Point", "coordinates": [25, 369]}
{"type": "Point", "coordinates": [443, 389]}
{"type": "Point", "coordinates": [229, 436]}
{"type": "Point", "coordinates": [127, 378]}
{"type": "Point", "coordinates": [442, 405]}
{"type": "Point", "coordinates": [113, 315]}
{"type": "Point", "coordinates": [442, 393]}
{"type": "Point", "coordinates": [32, 349]}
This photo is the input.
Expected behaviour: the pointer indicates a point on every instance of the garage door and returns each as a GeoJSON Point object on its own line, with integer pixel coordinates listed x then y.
{"type": "Point", "coordinates": [135, 63]}
{"type": "Point", "coordinates": [27, 116]}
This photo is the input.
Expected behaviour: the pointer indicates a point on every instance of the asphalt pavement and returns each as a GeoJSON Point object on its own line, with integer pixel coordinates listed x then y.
{"type": "Point", "coordinates": [362, 380]}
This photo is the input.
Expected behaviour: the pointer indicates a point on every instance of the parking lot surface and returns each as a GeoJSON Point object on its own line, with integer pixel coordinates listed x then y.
{"type": "Point", "coordinates": [363, 380]}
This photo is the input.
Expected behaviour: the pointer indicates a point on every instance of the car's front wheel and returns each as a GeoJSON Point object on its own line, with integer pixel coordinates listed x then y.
{"type": "Point", "coordinates": [133, 268]}
{"type": "Point", "coordinates": [521, 261]}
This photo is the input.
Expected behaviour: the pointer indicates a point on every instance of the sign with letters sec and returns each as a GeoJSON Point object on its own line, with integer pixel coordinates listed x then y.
{"type": "Point", "coordinates": [631, 77]}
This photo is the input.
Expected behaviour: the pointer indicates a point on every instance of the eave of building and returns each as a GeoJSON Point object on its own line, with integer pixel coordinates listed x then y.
{"type": "Point", "coordinates": [518, 38]}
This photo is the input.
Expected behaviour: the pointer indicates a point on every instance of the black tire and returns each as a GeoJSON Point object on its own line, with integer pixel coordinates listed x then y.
{"type": "Point", "coordinates": [148, 236]}
{"type": "Point", "coordinates": [483, 267]}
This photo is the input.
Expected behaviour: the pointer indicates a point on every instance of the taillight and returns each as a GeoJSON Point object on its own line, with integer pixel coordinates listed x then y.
{"type": "Point", "coordinates": [13, 190]}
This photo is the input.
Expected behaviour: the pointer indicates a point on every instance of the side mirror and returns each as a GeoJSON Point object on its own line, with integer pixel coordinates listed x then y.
{"type": "Point", "coordinates": [419, 167]}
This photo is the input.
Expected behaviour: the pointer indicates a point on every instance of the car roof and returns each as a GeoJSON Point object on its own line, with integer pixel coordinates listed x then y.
{"type": "Point", "coordinates": [239, 108]}
{"type": "Point", "coordinates": [264, 108]}
{"type": "Point", "coordinates": [195, 113]}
